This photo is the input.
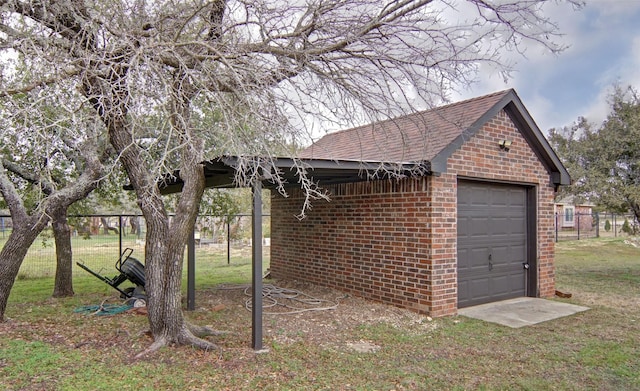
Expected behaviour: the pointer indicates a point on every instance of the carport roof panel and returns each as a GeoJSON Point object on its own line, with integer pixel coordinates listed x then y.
{"type": "Point", "coordinates": [221, 172]}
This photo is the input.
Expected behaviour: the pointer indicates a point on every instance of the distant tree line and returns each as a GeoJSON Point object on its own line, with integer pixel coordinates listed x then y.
{"type": "Point", "coordinates": [604, 159]}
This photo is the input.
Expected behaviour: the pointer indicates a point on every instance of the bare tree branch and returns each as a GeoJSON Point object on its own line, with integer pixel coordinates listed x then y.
{"type": "Point", "coordinates": [29, 176]}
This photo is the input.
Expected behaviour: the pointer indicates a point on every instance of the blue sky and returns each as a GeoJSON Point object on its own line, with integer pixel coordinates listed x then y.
{"type": "Point", "coordinates": [603, 42]}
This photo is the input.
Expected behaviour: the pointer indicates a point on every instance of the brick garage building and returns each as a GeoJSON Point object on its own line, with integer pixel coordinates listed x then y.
{"type": "Point", "coordinates": [479, 228]}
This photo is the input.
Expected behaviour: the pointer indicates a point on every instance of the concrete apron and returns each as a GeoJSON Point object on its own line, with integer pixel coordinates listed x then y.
{"type": "Point", "coordinates": [521, 311]}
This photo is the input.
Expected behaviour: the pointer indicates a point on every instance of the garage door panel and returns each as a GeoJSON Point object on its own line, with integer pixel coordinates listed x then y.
{"type": "Point", "coordinates": [493, 225]}
{"type": "Point", "coordinates": [518, 286]}
{"type": "Point", "coordinates": [480, 288]}
{"type": "Point", "coordinates": [474, 273]}
{"type": "Point", "coordinates": [463, 289]}
{"type": "Point", "coordinates": [495, 270]}
{"type": "Point", "coordinates": [475, 196]}
{"type": "Point", "coordinates": [473, 260]}
{"type": "Point", "coordinates": [508, 255]}
{"type": "Point", "coordinates": [492, 242]}
{"type": "Point", "coordinates": [473, 256]}
{"type": "Point", "coordinates": [469, 255]}
{"type": "Point", "coordinates": [500, 284]}
{"type": "Point", "coordinates": [463, 257]}
{"type": "Point", "coordinates": [477, 228]}
{"type": "Point", "coordinates": [505, 227]}
{"type": "Point", "coordinates": [513, 264]}
{"type": "Point", "coordinates": [500, 199]}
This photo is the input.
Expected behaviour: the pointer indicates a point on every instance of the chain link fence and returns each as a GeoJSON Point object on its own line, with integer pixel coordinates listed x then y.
{"type": "Point", "coordinates": [98, 240]}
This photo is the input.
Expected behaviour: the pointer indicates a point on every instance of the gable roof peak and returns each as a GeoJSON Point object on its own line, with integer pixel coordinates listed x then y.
{"type": "Point", "coordinates": [500, 94]}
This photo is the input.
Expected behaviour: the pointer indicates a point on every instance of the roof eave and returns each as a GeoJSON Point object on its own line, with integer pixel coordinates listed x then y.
{"type": "Point", "coordinates": [519, 114]}
{"type": "Point", "coordinates": [221, 172]}
{"type": "Point", "coordinates": [512, 104]}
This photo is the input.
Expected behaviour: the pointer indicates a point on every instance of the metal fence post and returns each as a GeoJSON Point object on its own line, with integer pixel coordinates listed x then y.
{"type": "Point", "coordinates": [120, 233]}
{"type": "Point", "coordinates": [191, 271]}
{"type": "Point", "coordinates": [228, 240]}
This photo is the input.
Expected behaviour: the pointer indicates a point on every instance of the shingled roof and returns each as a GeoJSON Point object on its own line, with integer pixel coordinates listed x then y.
{"type": "Point", "coordinates": [433, 135]}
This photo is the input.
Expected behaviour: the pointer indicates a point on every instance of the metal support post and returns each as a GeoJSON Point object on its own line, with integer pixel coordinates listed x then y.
{"type": "Point", "coordinates": [191, 271]}
{"type": "Point", "coordinates": [256, 283]}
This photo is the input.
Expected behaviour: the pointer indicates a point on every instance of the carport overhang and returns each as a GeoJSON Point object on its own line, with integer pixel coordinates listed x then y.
{"type": "Point", "coordinates": [222, 172]}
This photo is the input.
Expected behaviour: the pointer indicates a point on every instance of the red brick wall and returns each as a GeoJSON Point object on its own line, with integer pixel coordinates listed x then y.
{"type": "Point", "coordinates": [443, 239]}
{"type": "Point", "coordinates": [371, 240]}
{"type": "Point", "coordinates": [585, 217]}
{"type": "Point", "coordinates": [395, 242]}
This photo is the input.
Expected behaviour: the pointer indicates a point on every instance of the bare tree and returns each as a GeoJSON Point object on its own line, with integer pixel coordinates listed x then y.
{"type": "Point", "coordinates": [176, 81]}
{"type": "Point", "coordinates": [48, 161]}
{"type": "Point", "coordinates": [30, 220]}
{"type": "Point", "coordinates": [37, 166]}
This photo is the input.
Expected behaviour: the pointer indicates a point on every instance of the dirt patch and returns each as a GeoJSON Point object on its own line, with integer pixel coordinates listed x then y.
{"type": "Point", "coordinates": [336, 327]}
{"type": "Point", "coordinates": [363, 347]}
{"type": "Point", "coordinates": [324, 324]}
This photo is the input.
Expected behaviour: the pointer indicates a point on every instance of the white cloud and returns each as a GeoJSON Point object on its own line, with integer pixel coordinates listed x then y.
{"type": "Point", "coordinates": [625, 72]}
{"type": "Point", "coordinates": [629, 66]}
{"type": "Point", "coordinates": [603, 43]}
{"type": "Point", "coordinates": [613, 8]}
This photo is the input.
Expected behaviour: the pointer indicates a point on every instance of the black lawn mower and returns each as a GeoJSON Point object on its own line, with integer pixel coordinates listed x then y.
{"type": "Point", "coordinates": [130, 269]}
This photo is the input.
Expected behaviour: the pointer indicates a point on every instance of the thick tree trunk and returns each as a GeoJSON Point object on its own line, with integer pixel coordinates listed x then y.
{"type": "Point", "coordinates": [13, 253]}
{"type": "Point", "coordinates": [164, 277]}
{"type": "Point", "coordinates": [635, 207]}
{"type": "Point", "coordinates": [135, 226]}
{"type": "Point", "coordinates": [63, 286]}
{"type": "Point", "coordinates": [165, 240]}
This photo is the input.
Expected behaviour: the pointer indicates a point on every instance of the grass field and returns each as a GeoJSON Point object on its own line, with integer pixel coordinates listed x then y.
{"type": "Point", "coordinates": [45, 346]}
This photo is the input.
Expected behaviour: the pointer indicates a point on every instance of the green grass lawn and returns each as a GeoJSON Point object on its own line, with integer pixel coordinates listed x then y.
{"type": "Point", "coordinates": [47, 346]}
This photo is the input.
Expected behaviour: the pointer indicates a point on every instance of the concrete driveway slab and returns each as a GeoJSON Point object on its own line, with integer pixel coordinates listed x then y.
{"type": "Point", "coordinates": [522, 311]}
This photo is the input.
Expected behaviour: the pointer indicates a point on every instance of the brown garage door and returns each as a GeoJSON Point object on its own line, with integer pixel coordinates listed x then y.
{"type": "Point", "coordinates": [492, 242]}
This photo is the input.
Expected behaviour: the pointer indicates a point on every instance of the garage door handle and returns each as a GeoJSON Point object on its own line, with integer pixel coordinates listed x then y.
{"type": "Point", "coordinates": [490, 263]}
{"type": "Point", "coordinates": [526, 265]}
